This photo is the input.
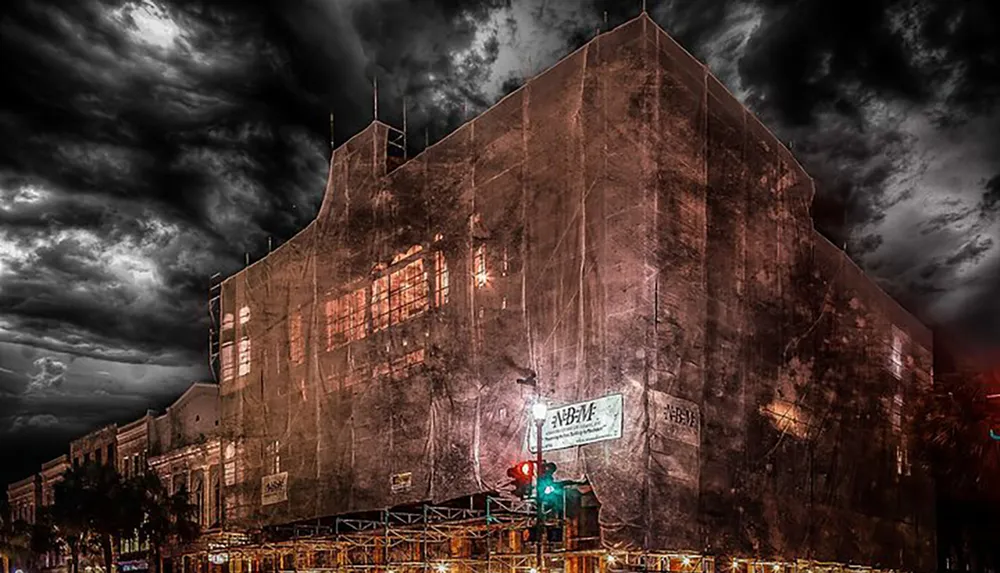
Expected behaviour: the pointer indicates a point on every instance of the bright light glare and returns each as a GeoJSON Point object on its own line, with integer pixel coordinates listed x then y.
{"type": "Point", "coordinates": [539, 410]}
{"type": "Point", "coordinates": [442, 568]}
{"type": "Point", "coordinates": [686, 561]}
{"type": "Point", "coordinates": [611, 559]}
{"type": "Point", "coordinates": [548, 489]}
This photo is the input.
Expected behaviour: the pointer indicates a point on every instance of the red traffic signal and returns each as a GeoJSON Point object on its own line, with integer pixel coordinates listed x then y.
{"type": "Point", "coordinates": [523, 469]}
{"type": "Point", "coordinates": [521, 476]}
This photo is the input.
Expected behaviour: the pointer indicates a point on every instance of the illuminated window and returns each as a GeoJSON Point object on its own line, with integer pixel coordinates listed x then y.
{"type": "Point", "coordinates": [244, 365]}
{"type": "Point", "coordinates": [504, 263]}
{"type": "Point", "coordinates": [896, 412]}
{"type": "Point", "coordinates": [896, 353]}
{"type": "Point", "coordinates": [440, 279]}
{"type": "Point", "coordinates": [227, 361]}
{"type": "Point", "coordinates": [407, 292]}
{"type": "Point", "coordinates": [380, 303]}
{"type": "Point", "coordinates": [479, 266]}
{"type": "Point", "coordinates": [274, 456]}
{"type": "Point", "coordinates": [244, 315]}
{"type": "Point", "coordinates": [229, 464]}
{"type": "Point", "coordinates": [227, 321]}
{"type": "Point", "coordinates": [345, 319]}
{"type": "Point", "coordinates": [295, 343]}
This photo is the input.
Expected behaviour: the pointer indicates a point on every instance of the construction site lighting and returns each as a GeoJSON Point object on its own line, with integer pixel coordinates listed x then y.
{"type": "Point", "coordinates": [611, 559]}
{"type": "Point", "coordinates": [442, 568]}
{"type": "Point", "coordinates": [686, 561]}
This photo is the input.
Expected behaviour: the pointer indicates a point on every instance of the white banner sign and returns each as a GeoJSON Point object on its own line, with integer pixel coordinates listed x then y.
{"type": "Point", "coordinates": [579, 424]}
{"type": "Point", "coordinates": [274, 488]}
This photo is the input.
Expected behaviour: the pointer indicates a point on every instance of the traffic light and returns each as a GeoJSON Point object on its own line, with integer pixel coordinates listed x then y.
{"type": "Point", "coordinates": [550, 490]}
{"type": "Point", "coordinates": [521, 476]}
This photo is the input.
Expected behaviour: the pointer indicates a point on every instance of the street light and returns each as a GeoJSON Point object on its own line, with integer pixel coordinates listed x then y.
{"type": "Point", "coordinates": [538, 411]}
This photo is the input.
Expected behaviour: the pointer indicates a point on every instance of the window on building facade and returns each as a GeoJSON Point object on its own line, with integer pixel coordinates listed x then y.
{"type": "Point", "coordinates": [380, 303]}
{"type": "Point", "coordinates": [199, 500]}
{"type": "Point", "coordinates": [228, 321]}
{"type": "Point", "coordinates": [345, 318]}
{"type": "Point", "coordinates": [896, 422]}
{"type": "Point", "coordinates": [407, 292]}
{"type": "Point", "coordinates": [273, 456]}
{"type": "Point", "coordinates": [440, 279]}
{"type": "Point", "coordinates": [504, 263]}
{"type": "Point", "coordinates": [896, 353]}
{"type": "Point", "coordinates": [228, 366]}
{"type": "Point", "coordinates": [244, 315]}
{"type": "Point", "coordinates": [229, 464]}
{"type": "Point", "coordinates": [479, 266]}
{"type": "Point", "coordinates": [296, 344]}
{"type": "Point", "coordinates": [244, 364]}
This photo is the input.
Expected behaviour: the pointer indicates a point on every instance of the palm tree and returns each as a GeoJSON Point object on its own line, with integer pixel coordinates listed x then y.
{"type": "Point", "coordinates": [71, 514]}
{"type": "Point", "coordinates": [167, 517]}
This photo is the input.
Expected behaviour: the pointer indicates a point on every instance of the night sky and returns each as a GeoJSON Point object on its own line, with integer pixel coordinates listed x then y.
{"type": "Point", "coordinates": [145, 146]}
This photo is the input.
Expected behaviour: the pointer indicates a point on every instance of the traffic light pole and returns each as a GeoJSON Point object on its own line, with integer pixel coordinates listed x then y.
{"type": "Point", "coordinates": [540, 516]}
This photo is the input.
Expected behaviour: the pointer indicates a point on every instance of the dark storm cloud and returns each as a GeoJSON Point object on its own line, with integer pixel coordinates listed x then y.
{"type": "Point", "coordinates": [990, 203]}
{"type": "Point", "coordinates": [149, 146]}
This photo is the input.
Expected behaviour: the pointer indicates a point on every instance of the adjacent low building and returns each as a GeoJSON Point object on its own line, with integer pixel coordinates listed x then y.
{"type": "Point", "coordinates": [98, 446]}
{"type": "Point", "coordinates": [25, 498]}
{"type": "Point", "coordinates": [51, 474]}
{"type": "Point", "coordinates": [133, 441]}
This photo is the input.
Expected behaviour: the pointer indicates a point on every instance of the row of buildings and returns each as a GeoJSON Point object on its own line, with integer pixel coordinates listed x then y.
{"type": "Point", "coordinates": [620, 226]}
{"type": "Point", "coordinates": [181, 445]}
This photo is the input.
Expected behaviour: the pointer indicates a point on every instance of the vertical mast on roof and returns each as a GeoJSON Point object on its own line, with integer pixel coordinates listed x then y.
{"type": "Point", "coordinates": [404, 128]}
{"type": "Point", "coordinates": [375, 95]}
{"type": "Point", "coordinates": [331, 132]}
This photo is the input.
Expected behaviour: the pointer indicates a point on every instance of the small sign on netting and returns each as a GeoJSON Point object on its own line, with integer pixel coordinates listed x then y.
{"type": "Point", "coordinates": [274, 488]}
{"type": "Point", "coordinates": [579, 424]}
{"type": "Point", "coordinates": [400, 483]}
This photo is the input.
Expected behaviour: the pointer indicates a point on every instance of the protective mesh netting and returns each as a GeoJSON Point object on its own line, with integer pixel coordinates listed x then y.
{"type": "Point", "coordinates": [619, 225]}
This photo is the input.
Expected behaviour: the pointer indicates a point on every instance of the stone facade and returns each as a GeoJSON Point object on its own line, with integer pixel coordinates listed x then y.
{"type": "Point", "coordinates": [98, 446]}
{"type": "Point", "coordinates": [134, 440]}
{"type": "Point", "coordinates": [25, 497]}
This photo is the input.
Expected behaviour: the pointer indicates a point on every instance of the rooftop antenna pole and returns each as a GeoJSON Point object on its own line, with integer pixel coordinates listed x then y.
{"type": "Point", "coordinates": [331, 132]}
{"type": "Point", "coordinates": [269, 243]}
{"type": "Point", "coordinates": [605, 19]}
{"type": "Point", "coordinates": [375, 95]}
{"type": "Point", "coordinates": [643, 6]}
{"type": "Point", "coordinates": [404, 128]}
{"type": "Point", "coordinates": [427, 137]}
{"type": "Point", "coordinates": [246, 259]}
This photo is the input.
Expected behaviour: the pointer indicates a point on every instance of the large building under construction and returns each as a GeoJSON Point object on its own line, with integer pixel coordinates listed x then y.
{"type": "Point", "coordinates": [622, 227]}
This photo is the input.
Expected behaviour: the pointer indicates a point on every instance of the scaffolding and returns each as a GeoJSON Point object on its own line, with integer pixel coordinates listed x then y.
{"type": "Point", "coordinates": [215, 324]}
{"type": "Point", "coordinates": [491, 538]}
